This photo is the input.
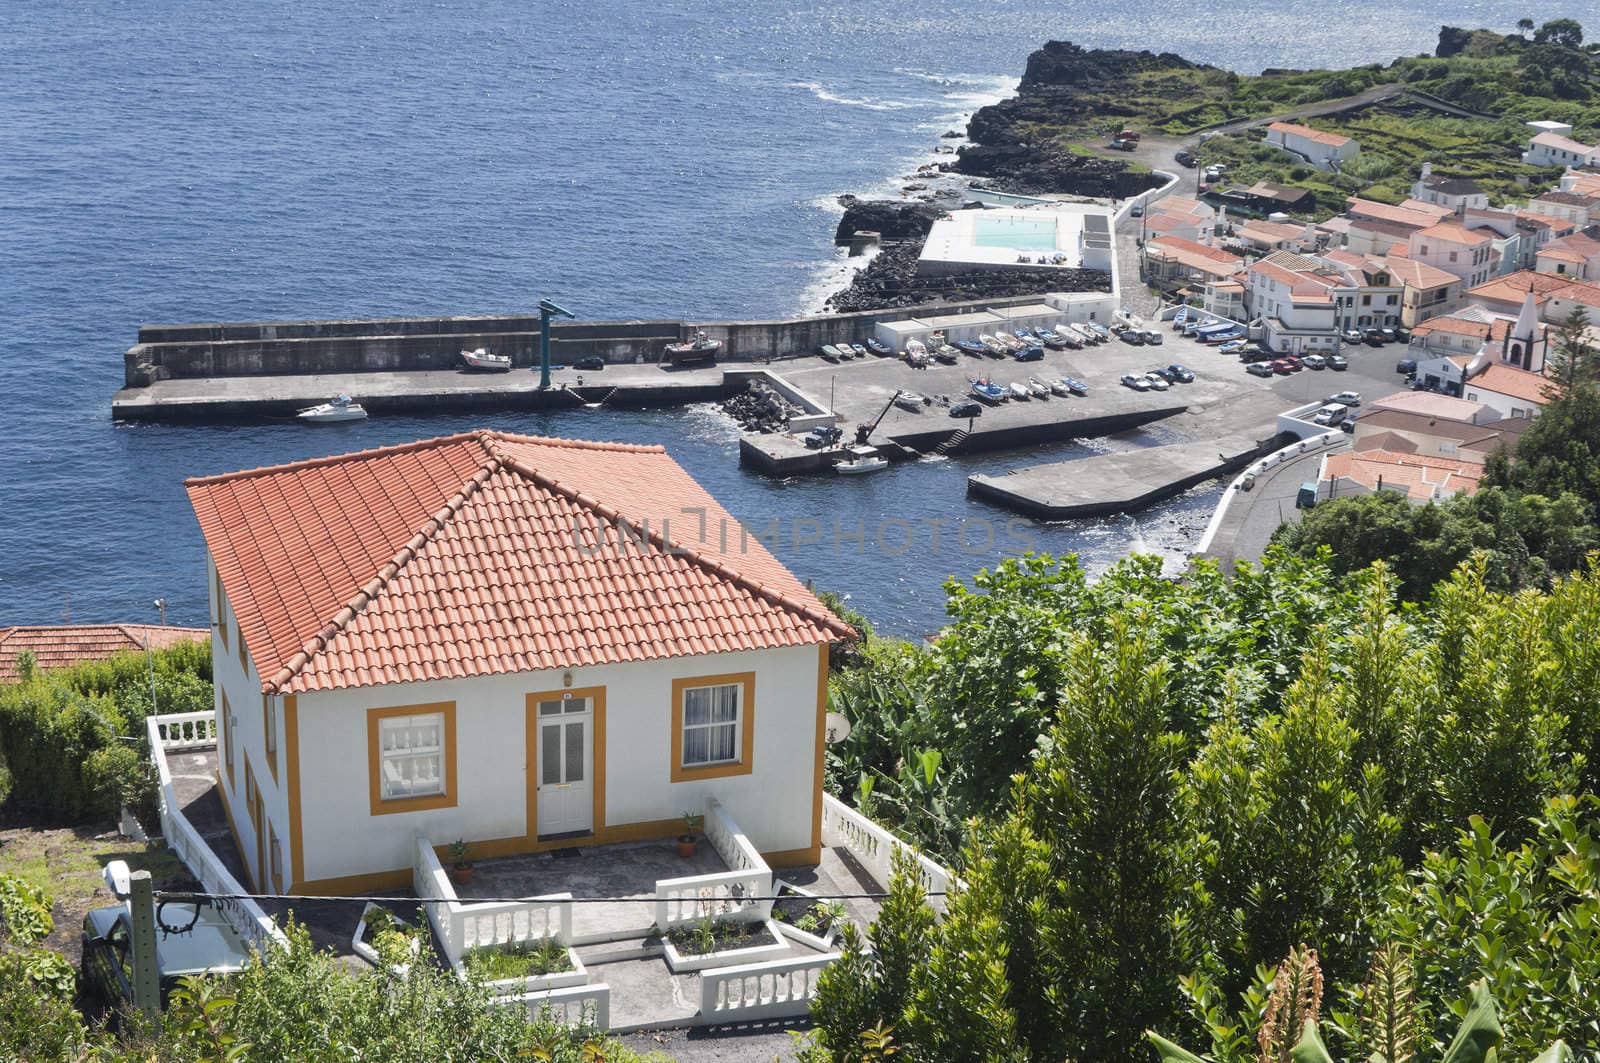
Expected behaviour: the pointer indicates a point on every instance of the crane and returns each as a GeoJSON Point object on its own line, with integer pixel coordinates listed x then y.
{"type": "Point", "coordinates": [864, 431]}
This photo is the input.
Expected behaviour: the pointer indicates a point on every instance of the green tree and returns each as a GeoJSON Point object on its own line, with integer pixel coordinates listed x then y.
{"type": "Point", "coordinates": [1524, 26]}
{"type": "Point", "coordinates": [1565, 32]}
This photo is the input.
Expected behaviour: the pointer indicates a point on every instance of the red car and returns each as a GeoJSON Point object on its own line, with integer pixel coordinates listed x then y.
{"type": "Point", "coordinates": [1295, 364]}
{"type": "Point", "coordinates": [1282, 366]}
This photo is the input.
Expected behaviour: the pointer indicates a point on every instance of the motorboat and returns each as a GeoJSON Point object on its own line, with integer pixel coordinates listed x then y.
{"type": "Point", "coordinates": [860, 460]}
{"type": "Point", "coordinates": [972, 347]}
{"type": "Point", "coordinates": [1087, 335]}
{"type": "Point", "coordinates": [829, 352]}
{"type": "Point", "coordinates": [1020, 391]}
{"type": "Point", "coordinates": [910, 400]}
{"type": "Point", "coordinates": [858, 350]}
{"type": "Point", "coordinates": [916, 348]}
{"type": "Point", "coordinates": [987, 391]}
{"type": "Point", "coordinates": [1059, 387]}
{"type": "Point", "coordinates": [879, 348]}
{"type": "Point", "coordinates": [701, 348]}
{"type": "Point", "coordinates": [339, 408]}
{"type": "Point", "coordinates": [1051, 339]}
{"type": "Point", "coordinates": [993, 347]}
{"type": "Point", "coordinates": [1076, 386]}
{"type": "Point", "coordinates": [947, 354]}
{"type": "Point", "coordinates": [482, 361]}
{"type": "Point", "coordinates": [1011, 342]}
{"type": "Point", "coordinates": [1040, 389]}
{"type": "Point", "coordinates": [1024, 335]}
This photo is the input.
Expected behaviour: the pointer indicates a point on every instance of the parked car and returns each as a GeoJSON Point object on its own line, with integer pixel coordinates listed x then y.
{"type": "Point", "coordinates": [1331, 414]}
{"type": "Point", "coordinates": [1256, 354]}
{"type": "Point", "coordinates": [1352, 335]}
{"type": "Point", "coordinates": [589, 363]}
{"type": "Point", "coordinates": [1346, 398]}
{"type": "Point", "coordinates": [1315, 361]}
{"type": "Point", "coordinates": [1295, 363]}
{"type": "Point", "coordinates": [1406, 366]}
{"type": "Point", "coordinates": [1138, 210]}
{"type": "Point", "coordinates": [1338, 363]}
{"type": "Point", "coordinates": [1233, 346]}
{"type": "Point", "coordinates": [1402, 334]}
{"type": "Point", "coordinates": [966, 408]}
{"type": "Point", "coordinates": [1137, 383]}
{"type": "Point", "coordinates": [1373, 337]}
{"type": "Point", "coordinates": [822, 436]}
{"type": "Point", "coordinates": [208, 945]}
{"type": "Point", "coordinates": [1132, 336]}
{"type": "Point", "coordinates": [1030, 354]}
{"type": "Point", "coordinates": [1157, 383]}
{"type": "Point", "coordinates": [1390, 335]}
{"type": "Point", "coordinates": [1153, 338]}
{"type": "Point", "coordinates": [1179, 374]}
{"type": "Point", "coordinates": [1185, 158]}
{"type": "Point", "coordinates": [1258, 369]}
{"type": "Point", "coordinates": [1282, 366]}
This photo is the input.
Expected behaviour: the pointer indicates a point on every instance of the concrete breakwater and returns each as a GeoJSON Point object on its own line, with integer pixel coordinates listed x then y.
{"type": "Point", "coordinates": [370, 345]}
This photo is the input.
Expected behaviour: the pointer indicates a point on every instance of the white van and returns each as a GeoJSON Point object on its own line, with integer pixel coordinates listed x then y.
{"type": "Point", "coordinates": [1331, 414]}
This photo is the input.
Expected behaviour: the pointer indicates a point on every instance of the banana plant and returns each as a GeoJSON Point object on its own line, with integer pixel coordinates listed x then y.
{"type": "Point", "coordinates": [1478, 1040]}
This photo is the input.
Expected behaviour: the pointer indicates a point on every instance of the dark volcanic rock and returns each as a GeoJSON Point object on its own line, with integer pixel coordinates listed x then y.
{"type": "Point", "coordinates": [891, 281]}
{"type": "Point", "coordinates": [1453, 40]}
{"type": "Point", "coordinates": [1015, 168]}
{"type": "Point", "coordinates": [890, 219]}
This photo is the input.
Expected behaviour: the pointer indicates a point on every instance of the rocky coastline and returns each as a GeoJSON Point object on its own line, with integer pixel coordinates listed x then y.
{"type": "Point", "coordinates": [1062, 82]}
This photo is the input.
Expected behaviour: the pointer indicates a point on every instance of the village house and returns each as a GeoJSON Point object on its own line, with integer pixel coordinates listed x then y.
{"type": "Point", "coordinates": [1555, 296]}
{"type": "Point", "coordinates": [519, 642]}
{"type": "Point", "coordinates": [1467, 253]}
{"type": "Point", "coordinates": [63, 645]}
{"type": "Point", "coordinates": [1264, 237]}
{"type": "Point", "coordinates": [1576, 256]}
{"type": "Point", "coordinates": [1579, 209]}
{"type": "Point", "coordinates": [1468, 433]}
{"type": "Point", "coordinates": [1426, 291]}
{"type": "Point", "coordinates": [1552, 148]}
{"type": "Point", "coordinates": [1325, 151]}
{"type": "Point", "coordinates": [1263, 198]}
{"type": "Point", "coordinates": [1420, 478]}
{"type": "Point", "coordinates": [1456, 193]}
{"type": "Point", "coordinates": [1172, 261]}
{"type": "Point", "coordinates": [1182, 217]}
{"type": "Point", "coordinates": [1292, 296]}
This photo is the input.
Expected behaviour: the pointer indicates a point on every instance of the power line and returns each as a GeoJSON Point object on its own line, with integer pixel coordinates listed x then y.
{"type": "Point", "coordinates": [190, 895]}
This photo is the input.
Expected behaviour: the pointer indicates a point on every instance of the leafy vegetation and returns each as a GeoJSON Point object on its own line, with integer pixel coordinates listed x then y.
{"type": "Point", "coordinates": [524, 960]}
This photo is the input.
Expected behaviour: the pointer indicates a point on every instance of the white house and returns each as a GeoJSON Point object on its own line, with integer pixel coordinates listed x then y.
{"type": "Point", "coordinates": [1557, 149]}
{"type": "Point", "coordinates": [1466, 253]}
{"type": "Point", "coordinates": [520, 642]}
{"type": "Point", "coordinates": [1576, 256]}
{"type": "Point", "coordinates": [1323, 150]}
{"type": "Point", "coordinates": [1457, 193]}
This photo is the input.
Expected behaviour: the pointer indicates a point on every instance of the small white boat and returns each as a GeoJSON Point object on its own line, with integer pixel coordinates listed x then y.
{"type": "Point", "coordinates": [916, 349]}
{"type": "Point", "coordinates": [334, 410]}
{"type": "Point", "coordinates": [1020, 391]}
{"type": "Point", "coordinates": [1040, 389]}
{"type": "Point", "coordinates": [861, 460]}
{"type": "Point", "coordinates": [1059, 387]}
{"type": "Point", "coordinates": [484, 362]}
{"type": "Point", "coordinates": [910, 400]}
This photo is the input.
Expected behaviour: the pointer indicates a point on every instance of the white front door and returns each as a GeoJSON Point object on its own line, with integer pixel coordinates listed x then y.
{"type": "Point", "coordinates": [564, 764]}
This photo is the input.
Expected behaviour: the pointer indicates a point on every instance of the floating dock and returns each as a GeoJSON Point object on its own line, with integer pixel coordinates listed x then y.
{"type": "Point", "coordinates": [1113, 483]}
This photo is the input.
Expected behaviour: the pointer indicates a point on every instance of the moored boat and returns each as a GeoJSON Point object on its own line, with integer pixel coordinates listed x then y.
{"type": "Point", "coordinates": [1040, 389]}
{"type": "Point", "coordinates": [972, 347]}
{"type": "Point", "coordinates": [482, 361]}
{"type": "Point", "coordinates": [339, 408]}
{"type": "Point", "coordinates": [947, 354]}
{"type": "Point", "coordinates": [879, 348]}
{"type": "Point", "coordinates": [860, 460]}
{"type": "Point", "coordinates": [1059, 387]}
{"type": "Point", "coordinates": [829, 352]}
{"type": "Point", "coordinates": [858, 350]}
{"type": "Point", "coordinates": [1051, 339]}
{"type": "Point", "coordinates": [910, 400]}
{"type": "Point", "coordinates": [987, 391]}
{"type": "Point", "coordinates": [1020, 391]}
{"type": "Point", "coordinates": [1076, 386]}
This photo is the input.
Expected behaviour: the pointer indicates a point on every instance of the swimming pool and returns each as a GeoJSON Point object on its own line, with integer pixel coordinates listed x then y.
{"type": "Point", "coordinates": [1023, 234]}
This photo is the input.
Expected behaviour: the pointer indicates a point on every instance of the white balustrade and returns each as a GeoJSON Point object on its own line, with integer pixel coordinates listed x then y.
{"type": "Point", "coordinates": [874, 847]}
{"type": "Point", "coordinates": [724, 895]}
{"type": "Point", "coordinates": [571, 1005]}
{"type": "Point", "coordinates": [180, 731]}
{"type": "Point", "coordinates": [464, 927]}
{"type": "Point", "coordinates": [779, 989]}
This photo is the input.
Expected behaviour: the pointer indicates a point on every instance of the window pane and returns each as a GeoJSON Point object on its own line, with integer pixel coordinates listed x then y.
{"type": "Point", "coordinates": [574, 752]}
{"type": "Point", "coordinates": [724, 703]}
{"type": "Point", "coordinates": [696, 746]}
{"type": "Point", "coordinates": [550, 754]}
{"type": "Point", "coordinates": [577, 704]}
{"type": "Point", "coordinates": [697, 705]}
{"type": "Point", "coordinates": [722, 742]}
{"type": "Point", "coordinates": [549, 708]}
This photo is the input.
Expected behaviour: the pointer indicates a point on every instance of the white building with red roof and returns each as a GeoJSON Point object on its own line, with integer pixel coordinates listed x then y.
{"type": "Point", "coordinates": [1452, 247]}
{"type": "Point", "coordinates": [1557, 149]}
{"type": "Point", "coordinates": [521, 642]}
{"type": "Point", "coordinates": [1321, 149]}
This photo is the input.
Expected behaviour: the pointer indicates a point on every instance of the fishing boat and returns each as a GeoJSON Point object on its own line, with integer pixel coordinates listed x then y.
{"type": "Point", "coordinates": [915, 348]}
{"type": "Point", "coordinates": [987, 391]}
{"type": "Point", "coordinates": [972, 347]}
{"type": "Point", "coordinates": [1011, 343]}
{"type": "Point", "coordinates": [910, 400]}
{"type": "Point", "coordinates": [336, 409]}
{"type": "Point", "coordinates": [879, 348]}
{"type": "Point", "coordinates": [1040, 389]}
{"type": "Point", "coordinates": [1050, 339]}
{"type": "Point", "coordinates": [860, 460]}
{"type": "Point", "coordinates": [829, 352]}
{"type": "Point", "coordinates": [700, 348]}
{"type": "Point", "coordinates": [1020, 391]}
{"type": "Point", "coordinates": [858, 350]}
{"type": "Point", "coordinates": [1089, 336]}
{"type": "Point", "coordinates": [947, 354]}
{"type": "Point", "coordinates": [1059, 387]}
{"type": "Point", "coordinates": [482, 361]}
{"type": "Point", "coordinates": [993, 347]}
{"type": "Point", "coordinates": [1025, 335]}
{"type": "Point", "coordinates": [1076, 386]}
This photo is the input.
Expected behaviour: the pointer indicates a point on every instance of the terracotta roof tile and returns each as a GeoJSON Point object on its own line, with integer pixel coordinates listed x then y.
{"type": "Point", "coordinates": [57, 646]}
{"type": "Point", "coordinates": [483, 553]}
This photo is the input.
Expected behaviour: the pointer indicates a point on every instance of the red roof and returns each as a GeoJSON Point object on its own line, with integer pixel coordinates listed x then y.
{"type": "Point", "coordinates": [461, 556]}
{"type": "Point", "coordinates": [57, 646]}
{"type": "Point", "coordinates": [1512, 382]}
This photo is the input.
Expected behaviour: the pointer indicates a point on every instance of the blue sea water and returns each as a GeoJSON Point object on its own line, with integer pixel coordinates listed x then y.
{"type": "Point", "coordinates": [194, 161]}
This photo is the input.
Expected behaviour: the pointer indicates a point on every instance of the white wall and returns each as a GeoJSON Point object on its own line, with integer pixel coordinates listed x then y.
{"type": "Point", "coordinates": [773, 804]}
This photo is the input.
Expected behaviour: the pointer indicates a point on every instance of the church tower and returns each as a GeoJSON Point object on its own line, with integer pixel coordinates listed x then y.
{"type": "Point", "coordinates": [1527, 342]}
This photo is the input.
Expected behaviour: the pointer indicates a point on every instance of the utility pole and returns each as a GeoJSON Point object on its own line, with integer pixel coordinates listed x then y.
{"type": "Point", "coordinates": [547, 310]}
{"type": "Point", "coordinates": [137, 892]}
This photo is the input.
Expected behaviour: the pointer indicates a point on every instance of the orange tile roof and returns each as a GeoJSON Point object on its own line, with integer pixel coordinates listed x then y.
{"type": "Point", "coordinates": [1454, 325]}
{"type": "Point", "coordinates": [1416, 474]}
{"type": "Point", "coordinates": [1430, 404]}
{"type": "Point", "coordinates": [1454, 233]}
{"type": "Point", "coordinates": [1412, 217]}
{"type": "Point", "coordinates": [60, 645]}
{"type": "Point", "coordinates": [1508, 380]}
{"type": "Point", "coordinates": [1513, 287]}
{"type": "Point", "coordinates": [1417, 274]}
{"type": "Point", "coordinates": [461, 556]}
{"type": "Point", "coordinates": [1316, 135]}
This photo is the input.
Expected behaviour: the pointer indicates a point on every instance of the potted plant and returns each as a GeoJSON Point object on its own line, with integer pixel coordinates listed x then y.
{"type": "Point", "coordinates": [690, 838]}
{"type": "Point", "coordinates": [460, 862]}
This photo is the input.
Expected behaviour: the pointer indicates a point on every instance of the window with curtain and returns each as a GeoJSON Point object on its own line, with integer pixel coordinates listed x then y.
{"type": "Point", "coordinates": [711, 725]}
{"type": "Point", "coordinates": [412, 755]}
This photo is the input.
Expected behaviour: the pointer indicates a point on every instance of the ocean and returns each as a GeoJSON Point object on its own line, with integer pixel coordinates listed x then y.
{"type": "Point", "coordinates": [213, 161]}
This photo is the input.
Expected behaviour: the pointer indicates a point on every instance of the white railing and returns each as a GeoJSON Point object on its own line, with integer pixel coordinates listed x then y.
{"type": "Point", "coordinates": [464, 927]}
{"type": "Point", "coordinates": [571, 1005]}
{"type": "Point", "coordinates": [1255, 469]}
{"type": "Point", "coordinates": [780, 989]}
{"type": "Point", "coordinates": [874, 847]}
{"type": "Point", "coordinates": [245, 916]}
{"type": "Point", "coordinates": [724, 894]}
{"type": "Point", "coordinates": [184, 730]}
